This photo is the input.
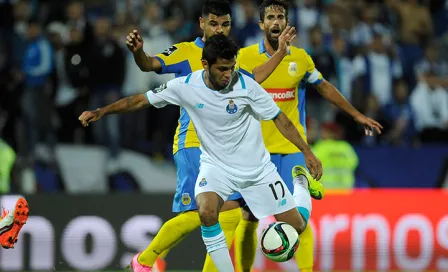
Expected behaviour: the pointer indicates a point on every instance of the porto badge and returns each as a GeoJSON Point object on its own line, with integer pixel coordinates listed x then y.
{"type": "Point", "coordinates": [231, 107]}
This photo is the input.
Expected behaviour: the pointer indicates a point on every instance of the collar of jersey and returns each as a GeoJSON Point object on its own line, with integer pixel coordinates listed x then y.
{"type": "Point", "coordinates": [199, 42]}
{"type": "Point", "coordinates": [203, 80]}
{"type": "Point", "coordinates": [262, 49]}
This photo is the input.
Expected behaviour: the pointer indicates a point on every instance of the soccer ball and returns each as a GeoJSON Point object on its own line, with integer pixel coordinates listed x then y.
{"type": "Point", "coordinates": [279, 242]}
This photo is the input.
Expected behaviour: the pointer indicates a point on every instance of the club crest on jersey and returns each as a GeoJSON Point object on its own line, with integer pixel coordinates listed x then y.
{"type": "Point", "coordinates": [186, 199]}
{"type": "Point", "coordinates": [203, 182]}
{"type": "Point", "coordinates": [231, 107]}
{"type": "Point", "coordinates": [292, 69]}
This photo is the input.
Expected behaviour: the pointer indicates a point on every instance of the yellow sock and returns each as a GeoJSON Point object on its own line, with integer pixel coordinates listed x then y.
{"type": "Point", "coordinates": [245, 245]}
{"type": "Point", "coordinates": [169, 235]}
{"type": "Point", "coordinates": [229, 221]}
{"type": "Point", "coordinates": [304, 254]}
{"type": "Point", "coordinates": [166, 251]}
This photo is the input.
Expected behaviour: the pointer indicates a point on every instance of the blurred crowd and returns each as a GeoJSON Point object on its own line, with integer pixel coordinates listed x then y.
{"type": "Point", "coordinates": [58, 58]}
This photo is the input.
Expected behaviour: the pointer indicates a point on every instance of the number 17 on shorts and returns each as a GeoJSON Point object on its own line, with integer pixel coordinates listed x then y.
{"type": "Point", "coordinates": [269, 196]}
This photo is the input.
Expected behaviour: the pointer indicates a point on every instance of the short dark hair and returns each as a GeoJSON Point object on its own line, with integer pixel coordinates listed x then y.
{"type": "Point", "coordinates": [216, 7]}
{"type": "Point", "coordinates": [219, 46]}
{"type": "Point", "coordinates": [267, 3]}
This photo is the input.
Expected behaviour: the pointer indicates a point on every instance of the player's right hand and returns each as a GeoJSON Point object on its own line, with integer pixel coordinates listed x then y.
{"type": "Point", "coordinates": [90, 116]}
{"type": "Point", "coordinates": [314, 165]}
{"type": "Point", "coordinates": [285, 39]}
{"type": "Point", "coordinates": [134, 41]}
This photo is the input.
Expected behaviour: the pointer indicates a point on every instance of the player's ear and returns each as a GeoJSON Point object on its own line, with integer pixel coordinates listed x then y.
{"type": "Point", "coordinates": [202, 23]}
{"type": "Point", "coordinates": [204, 64]}
{"type": "Point", "coordinates": [261, 25]}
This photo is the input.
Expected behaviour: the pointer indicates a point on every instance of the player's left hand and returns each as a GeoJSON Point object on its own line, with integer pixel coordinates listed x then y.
{"type": "Point", "coordinates": [369, 125]}
{"type": "Point", "coordinates": [90, 116]}
{"type": "Point", "coordinates": [285, 39]}
{"type": "Point", "coordinates": [314, 165]}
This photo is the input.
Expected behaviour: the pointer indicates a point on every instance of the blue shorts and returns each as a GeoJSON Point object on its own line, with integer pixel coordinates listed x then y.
{"type": "Point", "coordinates": [284, 164]}
{"type": "Point", "coordinates": [187, 162]}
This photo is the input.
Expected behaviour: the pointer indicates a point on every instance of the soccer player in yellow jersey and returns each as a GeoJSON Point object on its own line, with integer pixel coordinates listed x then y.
{"type": "Point", "coordinates": [287, 87]}
{"type": "Point", "coordinates": [182, 59]}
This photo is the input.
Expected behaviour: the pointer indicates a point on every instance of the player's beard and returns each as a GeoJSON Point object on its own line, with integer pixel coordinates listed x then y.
{"type": "Point", "coordinates": [214, 81]}
{"type": "Point", "coordinates": [271, 40]}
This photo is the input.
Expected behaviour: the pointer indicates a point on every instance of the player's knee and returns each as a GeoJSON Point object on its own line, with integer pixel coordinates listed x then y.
{"type": "Point", "coordinates": [248, 215]}
{"type": "Point", "coordinates": [209, 204]}
{"type": "Point", "coordinates": [208, 215]}
{"type": "Point", "coordinates": [300, 226]}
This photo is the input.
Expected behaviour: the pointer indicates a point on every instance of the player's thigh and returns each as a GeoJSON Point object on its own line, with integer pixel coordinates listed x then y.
{"type": "Point", "coordinates": [269, 196]}
{"type": "Point", "coordinates": [287, 163]}
{"type": "Point", "coordinates": [234, 201]}
{"type": "Point", "coordinates": [187, 168]}
{"type": "Point", "coordinates": [212, 189]}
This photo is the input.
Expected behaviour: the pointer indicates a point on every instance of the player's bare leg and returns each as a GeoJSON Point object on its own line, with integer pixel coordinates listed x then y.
{"type": "Point", "coordinates": [294, 218]}
{"type": "Point", "coordinates": [229, 219]}
{"type": "Point", "coordinates": [12, 222]}
{"type": "Point", "coordinates": [209, 205]}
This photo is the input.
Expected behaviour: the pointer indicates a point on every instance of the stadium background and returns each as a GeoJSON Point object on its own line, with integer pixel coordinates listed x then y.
{"type": "Point", "coordinates": [97, 197]}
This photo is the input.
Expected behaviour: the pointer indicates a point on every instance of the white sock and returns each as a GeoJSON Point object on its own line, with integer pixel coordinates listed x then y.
{"type": "Point", "coordinates": [302, 196]}
{"type": "Point", "coordinates": [215, 242]}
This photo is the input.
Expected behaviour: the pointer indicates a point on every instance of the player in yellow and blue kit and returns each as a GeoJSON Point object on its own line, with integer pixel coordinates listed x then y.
{"type": "Point", "coordinates": [287, 87]}
{"type": "Point", "coordinates": [182, 59]}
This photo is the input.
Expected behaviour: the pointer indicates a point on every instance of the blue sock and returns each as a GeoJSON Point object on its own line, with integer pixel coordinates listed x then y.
{"type": "Point", "coordinates": [305, 213]}
{"type": "Point", "coordinates": [215, 242]}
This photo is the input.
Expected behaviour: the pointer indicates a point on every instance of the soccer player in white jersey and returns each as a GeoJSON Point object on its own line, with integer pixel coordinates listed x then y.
{"type": "Point", "coordinates": [226, 108]}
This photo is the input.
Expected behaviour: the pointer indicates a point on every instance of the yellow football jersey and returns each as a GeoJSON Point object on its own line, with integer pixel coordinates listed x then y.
{"type": "Point", "coordinates": [286, 85]}
{"type": "Point", "coordinates": [181, 59]}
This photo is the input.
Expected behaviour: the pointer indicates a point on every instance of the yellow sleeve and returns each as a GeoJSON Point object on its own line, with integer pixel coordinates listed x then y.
{"type": "Point", "coordinates": [313, 75]}
{"type": "Point", "coordinates": [174, 60]}
{"type": "Point", "coordinates": [242, 64]}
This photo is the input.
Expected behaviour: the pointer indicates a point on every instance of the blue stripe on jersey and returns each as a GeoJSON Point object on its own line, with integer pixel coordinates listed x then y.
{"type": "Point", "coordinates": [246, 73]}
{"type": "Point", "coordinates": [188, 78]}
{"type": "Point", "coordinates": [184, 120]}
{"type": "Point", "coordinates": [301, 89]}
{"type": "Point", "coordinates": [243, 84]}
{"type": "Point", "coordinates": [317, 82]}
{"type": "Point", "coordinates": [179, 69]}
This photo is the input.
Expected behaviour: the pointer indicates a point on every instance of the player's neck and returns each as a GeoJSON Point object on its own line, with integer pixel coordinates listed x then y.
{"type": "Point", "coordinates": [271, 46]}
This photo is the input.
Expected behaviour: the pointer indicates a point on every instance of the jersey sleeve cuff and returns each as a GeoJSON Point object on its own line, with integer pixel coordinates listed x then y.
{"type": "Point", "coordinates": [162, 63]}
{"type": "Point", "coordinates": [317, 82]}
{"type": "Point", "coordinates": [278, 113]}
{"type": "Point", "coordinates": [147, 97]}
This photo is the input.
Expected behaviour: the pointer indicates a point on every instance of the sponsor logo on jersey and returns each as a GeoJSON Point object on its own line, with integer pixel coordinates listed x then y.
{"type": "Point", "coordinates": [292, 69]}
{"type": "Point", "coordinates": [231, 107]}
{"type": "Point", "coordinates": [186, 199]}
{"type": "Point", "coordinates": [280, 95]}
{"type": "Point", "coordinates": [203, 182]}
{"type": "Point", "coordinates": [170, 50]}
{"type": "Point", "coordinates": [199, 106]}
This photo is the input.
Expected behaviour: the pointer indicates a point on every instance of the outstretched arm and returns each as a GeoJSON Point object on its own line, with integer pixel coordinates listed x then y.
{"type": "Point", "coordinates": [287, 129]}
{"type": "Point", "coordinates": [145, 62]}
{"type": "Point", "coordinates": [329, 92]}
{"type": "Point", "coordinates": [262, 72]}
{"type": "Point", "coordinates": [130, 103]}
